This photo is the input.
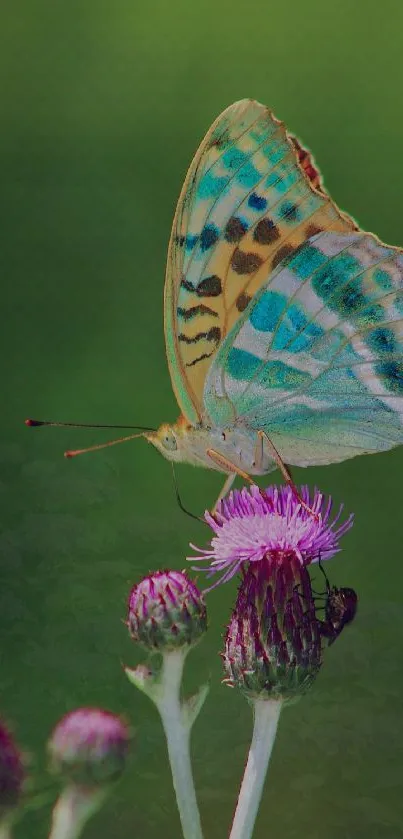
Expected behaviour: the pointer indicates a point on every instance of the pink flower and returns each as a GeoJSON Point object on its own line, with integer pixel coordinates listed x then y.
{"type": "Point", "coordinates": [89, 746]}
{"type": "Point", "coordinates": [253, 524]}
{"type": "Point", "coordinates": [166, 611]}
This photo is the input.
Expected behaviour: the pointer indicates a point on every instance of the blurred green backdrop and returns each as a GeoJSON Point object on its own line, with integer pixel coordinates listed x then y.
{"type": "Point", "coordinates": [102, 106]}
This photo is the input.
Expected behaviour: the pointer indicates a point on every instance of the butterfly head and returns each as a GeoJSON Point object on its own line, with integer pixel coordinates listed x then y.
{"type": "Point", "coordinates": [182, 442]}
{"type": "Point", "coordinates": [168, 439]}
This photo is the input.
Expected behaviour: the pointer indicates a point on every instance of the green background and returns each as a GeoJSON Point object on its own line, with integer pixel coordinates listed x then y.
{"type": "Point", "coordinates": [102, 106]}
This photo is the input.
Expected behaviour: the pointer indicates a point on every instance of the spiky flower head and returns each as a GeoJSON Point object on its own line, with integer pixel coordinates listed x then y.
{"type": "Point", "coordinates": [273, 643]}
{"type": "Point", "coordinates": [253, 524]}
{"type": "Point", "coordinates": [166, 611]}
{"type": "Point", "coordinates": [12, 773]}
{"type": "Point", "coordinates": [89, 747]}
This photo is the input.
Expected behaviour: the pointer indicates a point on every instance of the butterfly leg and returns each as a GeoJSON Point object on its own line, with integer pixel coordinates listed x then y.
{"type": "Point", "coordinates": [226, 488]}
{"type": "Point", "coordinates": [264, 439]}
{"type": "Point", "coordinates": [328, 587]}
{"type": "Point", "coordinates": [227, 466]}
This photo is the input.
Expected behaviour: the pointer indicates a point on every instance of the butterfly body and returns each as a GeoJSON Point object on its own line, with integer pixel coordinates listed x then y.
{"type": "Point", "coordinates": [180, 442]}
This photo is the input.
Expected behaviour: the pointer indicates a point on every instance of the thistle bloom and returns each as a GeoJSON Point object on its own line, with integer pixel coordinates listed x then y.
{"type": "Point", "coordinates": [252, 524]}
{"type": "Point", "coordinates": [166, 611]}
{"type": "Point", "coordinates": [272, 653]}
{"type": "Point", "coordinates": [89, 747]}
{"type": "Point", "coordinates": [12, 772]}
{"type": "Point", "coordinates": [273, 643]}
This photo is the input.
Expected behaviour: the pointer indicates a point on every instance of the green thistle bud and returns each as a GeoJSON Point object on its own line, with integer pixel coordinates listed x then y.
{"type": "Point", "coordinates": [273, 644]}
{"type": "Point", "coordinates": [166, 611]}
{"type": "Point", "coordinates": [89, 747]}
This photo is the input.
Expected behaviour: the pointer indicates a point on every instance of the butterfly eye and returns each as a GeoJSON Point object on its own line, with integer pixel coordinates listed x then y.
{"type": "Point", "coordinates": [169, 441]}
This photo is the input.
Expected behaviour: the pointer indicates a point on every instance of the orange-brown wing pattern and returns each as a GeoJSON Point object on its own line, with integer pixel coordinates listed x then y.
{"type": "Point", "coordinates": [252, 195]}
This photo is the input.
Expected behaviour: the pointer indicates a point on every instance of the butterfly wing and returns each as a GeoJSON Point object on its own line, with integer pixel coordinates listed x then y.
{"type": "Point", "coordinates": [251, 196]}
{"type": "Point", "coordinates": [316, 360]}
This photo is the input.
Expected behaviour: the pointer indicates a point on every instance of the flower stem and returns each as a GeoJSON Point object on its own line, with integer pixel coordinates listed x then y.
{"type": "Point", "coordinates": [72, 810]}
{"type": "Point", "coordinates": [5, 829]}
{"type": "Point", "coordinates": [177, 726]}
{"type": "Point", "coordinates": [266, 714]}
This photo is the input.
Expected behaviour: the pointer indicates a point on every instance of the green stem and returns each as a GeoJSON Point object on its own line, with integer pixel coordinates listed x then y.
{"type": "Point", "coordinates": [266, 714]}
{"type": "Point", "coordinates": [5, 829]}
{"type": "Point", "coordinates": [177, 731]}
{"type": "Point", "coordinates": [72, 810]}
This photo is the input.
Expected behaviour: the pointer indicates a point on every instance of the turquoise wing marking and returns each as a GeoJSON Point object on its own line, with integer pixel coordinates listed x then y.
{"type": "Point", "coordinates": [316, 360]}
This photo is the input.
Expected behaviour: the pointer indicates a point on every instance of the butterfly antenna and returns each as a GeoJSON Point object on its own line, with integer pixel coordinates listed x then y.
{"type": "Point", "coordinates": [32, 423]}
{"type": "Point", "coordinates": [179, 500]}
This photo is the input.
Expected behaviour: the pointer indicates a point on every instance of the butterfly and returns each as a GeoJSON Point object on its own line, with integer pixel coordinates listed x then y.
{"type": "Point", "coordinates": [283, 320]}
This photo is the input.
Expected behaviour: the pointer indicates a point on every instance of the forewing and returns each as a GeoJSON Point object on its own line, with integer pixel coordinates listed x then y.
{"type": "Point", "coordinates": [316, 360]}
{"type": "Point", "coordinates": [251, 196]}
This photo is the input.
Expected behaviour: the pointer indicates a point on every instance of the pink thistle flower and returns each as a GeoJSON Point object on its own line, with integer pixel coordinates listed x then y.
{"type": "Point", "coordinates": [166, 611]}
{"type": "Point", "coordinates": [89, 746]}
{"type": "Point", "coordinates": [251, 525]}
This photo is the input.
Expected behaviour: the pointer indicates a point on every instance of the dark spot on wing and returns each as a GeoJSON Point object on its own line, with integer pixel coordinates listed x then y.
{"type": "Point", "coordinates": [191, 241]}
{"type": "Point", "coordinates": [235, 229]}
{"type": "Point", "coordinates": [213, 334]}
{"type": "Point", "coordinates": [281, 255]}
{"type": "Point", "coordinates": [199, 358]}
{"type": "Point", "coordinates": [350, 299]}
{"type": "Point", "coordinates": [313, 230]}
{"type": "Point", "coordinates": [209, 287]}
{"type": "Point", "coordinates": [188, 286]}
{"type": "Point", "coordinates": [266, 232]}
{"type": "Point", "coordinates": [289, 211]}
{"type": "Point", "coordinates": [257, 202]}
{"type": "Point", "coordinates": [208, 237]}
{"type": "Point", "coordinates": [193, 311]}
{"type": "Point", "coordinates": [245, 263]}
{"type": "Point", "coordinates": [222, 140]}
{"type": "Point", "coordinates": [382, 340]}
{"type": "Point", "coordinates": [242, 301]}
{"type": "Point", "coordinates": [391, 373]}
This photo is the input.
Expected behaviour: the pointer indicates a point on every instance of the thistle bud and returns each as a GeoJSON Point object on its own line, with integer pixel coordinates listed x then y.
{"type": "Point", "coordinates": [89, 747]}
{"type": "Point", "coordinates": [273, 644]}
{"type": "Point", "coordinates": [12, 773]}
{"type": "Point", "coordinates": [166, 611]}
